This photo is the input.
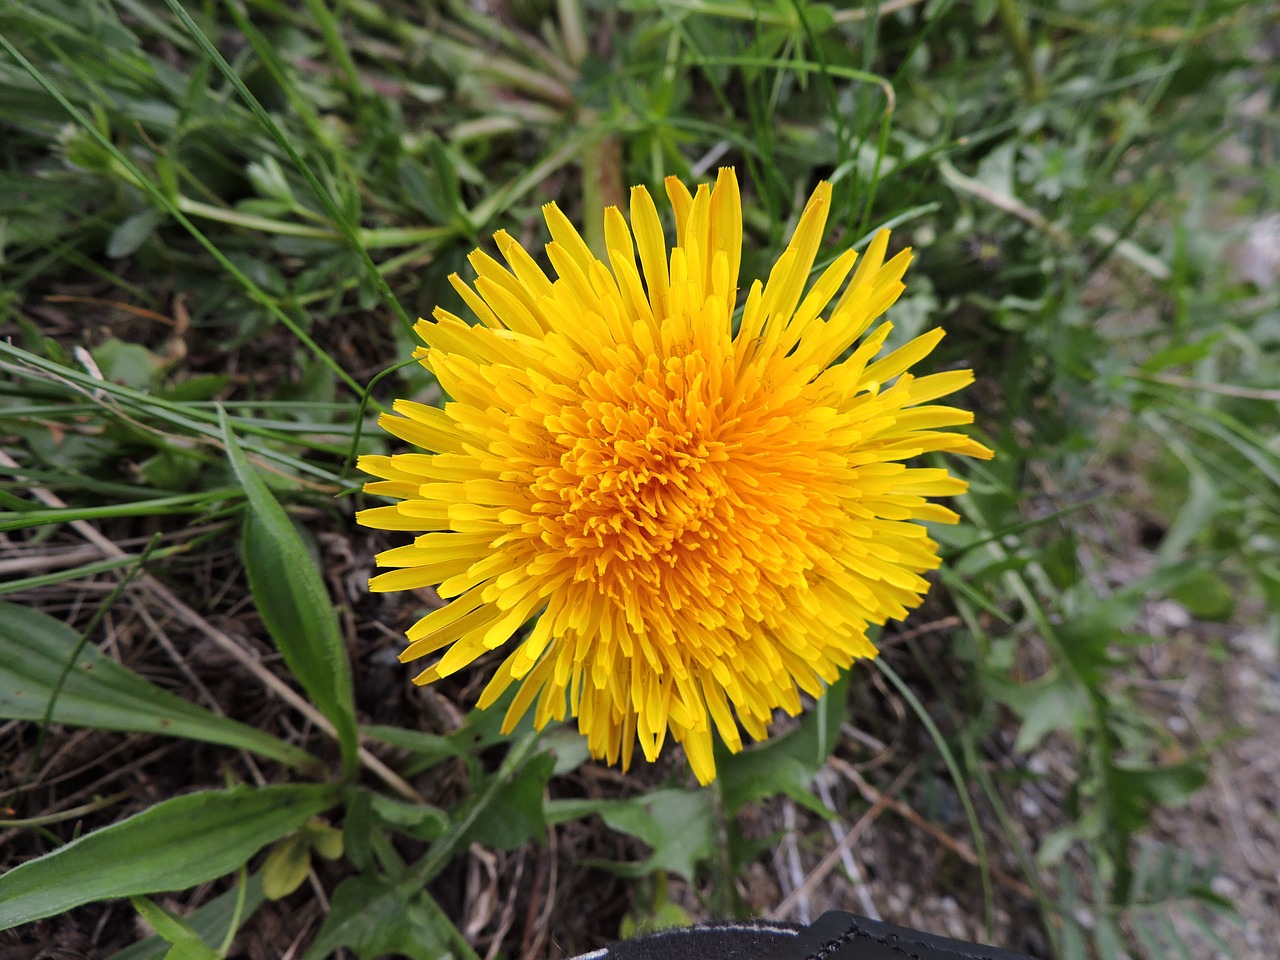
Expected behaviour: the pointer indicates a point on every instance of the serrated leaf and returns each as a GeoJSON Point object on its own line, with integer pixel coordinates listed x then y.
{"type": "Point", "coordinates": [375, 919]}
{"type": "Point", "coordinates": [678, 824]}
{"type": "Point", "coordinates": [518, 819]}
{"type": "Point", "coordinates": [1048, 704]}
{"type": "Point", "coordinates": [1136, 788]}
{"type": "Point", "coordinates": [293, 602]}
{"type": "Point", "coordinates": [173, 845]}
{"type": "Point", "coordinates": [101, 694]}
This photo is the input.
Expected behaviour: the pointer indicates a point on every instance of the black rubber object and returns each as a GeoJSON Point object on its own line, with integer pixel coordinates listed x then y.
{"type": "Point", "coordinates": [834, 936]}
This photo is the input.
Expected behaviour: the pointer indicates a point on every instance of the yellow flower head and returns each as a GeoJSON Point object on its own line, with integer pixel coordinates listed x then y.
{"type": "Point", "coordinates": [700, 523]}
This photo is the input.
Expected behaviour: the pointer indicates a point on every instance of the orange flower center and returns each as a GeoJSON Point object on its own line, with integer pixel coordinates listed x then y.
{"type": "Point", "coordinates": [636, 481]}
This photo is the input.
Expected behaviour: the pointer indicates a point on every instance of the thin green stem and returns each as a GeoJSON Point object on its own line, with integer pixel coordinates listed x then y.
{"type": "Point", "coordinates": [242, 884]}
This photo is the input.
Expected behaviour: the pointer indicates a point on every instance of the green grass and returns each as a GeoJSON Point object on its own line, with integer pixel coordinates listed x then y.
{"type": "Point", "coordinates": [215, 233]}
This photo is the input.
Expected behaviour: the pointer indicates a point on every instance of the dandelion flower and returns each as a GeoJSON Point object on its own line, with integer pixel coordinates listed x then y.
{"type": "Point", "coordinates": [700, 523]}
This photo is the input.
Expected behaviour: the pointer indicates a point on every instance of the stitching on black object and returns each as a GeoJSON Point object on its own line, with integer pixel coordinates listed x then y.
{"type": "Point", "coordinates": [892, 942]}
{"type": "Point", "coordinates": [855, 932]}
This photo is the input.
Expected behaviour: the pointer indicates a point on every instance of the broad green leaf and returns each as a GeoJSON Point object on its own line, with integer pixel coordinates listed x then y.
{"type": "Point", "coordinates": [1136, 788]}
{"type": "Point", "coordinates": [518, 818]}
{"type": "Point", "coordinates": [129, 363]}
{"type": "Point", "coordinates": [1206, 595]}
{"type": "Point", "coordinates": [293, 602]}
{"type": "Point", "coordinates": [286, 866]}
{"type": "Point", "coordinates": [1045, 705]}
{"type": "Point", "coordinates": [175, 844]}
{"type": "Point", "coordinates": [100, 693]}
{"type": "Point", "coordinates": [375, 919]}
{"type": "Point", "coordinates": [210, 922]}
{"type": "Point", "coordinates": [678, 824]}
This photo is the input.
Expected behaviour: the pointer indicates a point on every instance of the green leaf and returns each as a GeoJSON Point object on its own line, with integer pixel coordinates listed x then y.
{"type": "Point", "coordinates": [428, 749]}
{"type": "Point", "coordinates": [1180, 354]}
{"type": "Point", "coordinates": [164, 923]}
{"type": "Point", "coordinates": [100, 693]}
{"type": "Point", "coordinates": [133, 232]}
{"type": "Point", "coordinates": [518, 819]}
{"type": "Point", "coordinates": [186, 943]}
{"type": "Point", "coordinates": [1206, 596]}
{"type": "Point", "coordinates": [1050, 703]}
{"type": "Point", "coordinates": [786, 764]}
{"type": "Point", "coordinates": [1136, 788]}
{"type": "Point", "coordinates": [286, 866]}
{"type": "Point", "coordinates": [678, 824]}
{"type": "Point", "coordinates": [129, 363]}
{"type": "Point", "coordinates": [269, 180]}
{"type": "Point", "coordinates": [375, 919]}
{"type": "Point", "coordinates": [1107, 939]}
{"type": "Point", "coordinates": [210, 922]}
{"type": "Point", "coordinates": [326, 840]}
{"type": "Point", "coordinates": [418, 820]}
{"type": "Point", "coordinates": [357, 828]}
{"type": "Point", "coordinates": [293, 602]}
{"type": "Point", "coordinates": [175, 844]}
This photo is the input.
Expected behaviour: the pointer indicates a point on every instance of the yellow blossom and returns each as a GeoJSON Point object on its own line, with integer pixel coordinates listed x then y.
{"type": "Point", "coordinates": [700, 524]}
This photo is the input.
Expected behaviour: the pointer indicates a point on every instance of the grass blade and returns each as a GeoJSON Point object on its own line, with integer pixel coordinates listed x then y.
{"type": "Point", "coordinates": [101, 694]}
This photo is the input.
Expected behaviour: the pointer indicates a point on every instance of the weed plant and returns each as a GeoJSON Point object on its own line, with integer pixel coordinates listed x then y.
{"type": "Point", "coordinates": [217, 223]}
